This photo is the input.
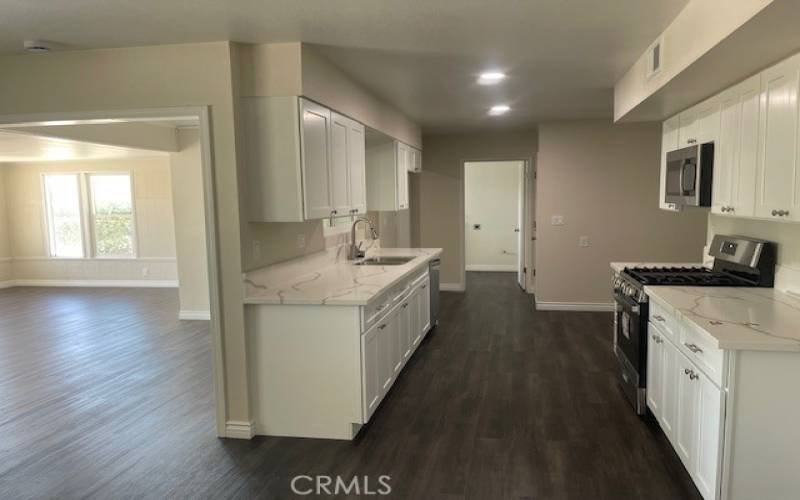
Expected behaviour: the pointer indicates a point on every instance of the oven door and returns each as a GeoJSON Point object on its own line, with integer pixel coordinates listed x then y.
{"type": "Point", "coordinates": [629, 335]}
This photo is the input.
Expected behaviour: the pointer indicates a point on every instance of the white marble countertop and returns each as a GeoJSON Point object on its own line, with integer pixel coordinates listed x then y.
{"type": "Point", "coordinates": [618, 267]}
{"type": "Point", "coordinates": [334, 283]}
{"type": "Point", "coordinates": [739, 318]}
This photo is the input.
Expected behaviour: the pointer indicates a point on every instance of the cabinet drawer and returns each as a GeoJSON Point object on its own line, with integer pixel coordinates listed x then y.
{"type": "Point", "coordinates": [701, 349]}
{"type": "Point", "coordinates": [666, 322]}
{"type": "Point", "coordinates": [375, 310]}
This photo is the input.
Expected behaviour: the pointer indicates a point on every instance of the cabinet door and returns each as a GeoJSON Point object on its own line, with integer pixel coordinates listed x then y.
{"type": "Point", "coordinates": [370, 374]}
{"type": "Point", "coordinates": [356, 147]}
{"type": "Point", "coordinates": [654, 371]}
{"type": "Point", "coordinates": [707, 121]}
{"type": "Point", "coordinates": [669, 142]}
{"type": "Point", "coordinates": [670, 379]}
{"type": "Point", "coordinates": [737, 150]}
{"type": "Point", "coordinates": [425, 306]}
{"type": "Point", "coordinates": [777, 184]}
{"type": "Point", "coordinates": [402, 176]}
{"type": "Point", "coordinates": [726, 151]}
{"type": "Point", "coordinates": [709, 436]}
{"type": "Point", "coordinates": [687, 134]}
{"type": "Point", "coordinates": [744, 185]}
{"type": "Point", "coordinates": [686, 430]}
{"type": "Point", "coordinates": [400, 352]}
{"type": "Point", "coordinates": [415, 332]}
{"type": "Point", "coordinates": [340, 164]}
{"type": "Point", "coordinates": [386, 339]}
{"type": "Point", "coordinates": [316, 170]}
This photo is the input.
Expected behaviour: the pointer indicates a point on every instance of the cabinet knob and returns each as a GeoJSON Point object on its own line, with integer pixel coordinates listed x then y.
{"type": "Point", "coordinates": [774, 213]}
{"type": "Point", "coordinates": [382, 326]}
{"type": "Point", "coordinates": [686, 371]}
{"type": "Point", "coordinates": [693, 376]}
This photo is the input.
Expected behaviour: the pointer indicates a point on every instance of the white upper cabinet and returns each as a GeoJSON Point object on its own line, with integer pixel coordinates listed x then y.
{"type": "Point", "coordinates": [387, 169]}
{"type": "Point", "coordinates": [736, 150]}
{"type": "Point", "coordinates": [778, 180]}
{"type": "Point", "coordinates": [303, 161]}
{"type": "Point", "coordinates": [357, 167]}
{"type": "Point", "coordinates": [669, 142]}
{"type": "Point", "coordinates": [339, 161]}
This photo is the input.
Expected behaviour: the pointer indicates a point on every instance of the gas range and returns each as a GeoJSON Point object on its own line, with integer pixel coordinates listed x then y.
{"type": "Point", "coordinates": [738, 261]}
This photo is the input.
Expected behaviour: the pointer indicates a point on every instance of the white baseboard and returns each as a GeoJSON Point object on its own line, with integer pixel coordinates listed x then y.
{"type": "Point", "coordinates": [236, 429]}
{"type": "Point", "coordinates": [99, 283]}
{"type": "Point", "coordinates": [494, 268]}
{"type": "Point", "coordinates": [194, 315]}
{"type": "Point", "coordinates": [6, 284]}
{"type": "Point", "coordinates": [452, 287]}
{"type": "Point", "coordinates": [575, 306]}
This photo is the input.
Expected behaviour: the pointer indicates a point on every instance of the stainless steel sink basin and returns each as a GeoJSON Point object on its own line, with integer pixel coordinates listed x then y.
{"type": "Point", "coordinates": [384, 261]}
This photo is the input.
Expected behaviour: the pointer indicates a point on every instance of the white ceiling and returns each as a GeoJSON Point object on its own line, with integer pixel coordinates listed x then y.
{"type": "Point", "coordinates": [17, 147]}
{"type": "Point", "coordinates": [562, 56]}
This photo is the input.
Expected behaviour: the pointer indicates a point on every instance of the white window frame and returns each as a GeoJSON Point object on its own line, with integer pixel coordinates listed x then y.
{"type": "Point", "coordinates": [87, 216]}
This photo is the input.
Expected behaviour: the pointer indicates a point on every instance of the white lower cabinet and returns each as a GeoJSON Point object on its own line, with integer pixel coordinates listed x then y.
{"type": "Point", "coordinates": [689, 407]}
{"type": "Point", "coordinates": [371, 376]}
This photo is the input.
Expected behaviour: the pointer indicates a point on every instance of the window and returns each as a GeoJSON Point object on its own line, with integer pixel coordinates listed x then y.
{"type": "Point", "coordinates": [112, 215]}
{"type": "Point", "coordinates": [63, 209]}
{"type": "Point", "coordinates": [90, 215]}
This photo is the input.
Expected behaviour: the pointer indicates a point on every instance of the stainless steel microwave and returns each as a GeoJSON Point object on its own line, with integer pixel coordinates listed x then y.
{"type": "Point", "coordinates": [689, 175]}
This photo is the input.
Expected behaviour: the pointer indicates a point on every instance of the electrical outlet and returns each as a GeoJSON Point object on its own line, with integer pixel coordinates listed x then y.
{"type": "Point", "coordinates": [301, 241]}
{"type": "Point", "coordinates": [584, 242]}
{"type": "Point", "coordinates": [145, 271]}
{"type": "Point", "coordinates": [557, 220]}
{"type": "Point", "coordinates": [256, 250]}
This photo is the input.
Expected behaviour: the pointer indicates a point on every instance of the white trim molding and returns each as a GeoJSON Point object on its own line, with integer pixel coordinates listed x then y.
{"type": "Point", "coordinates": [237, 429]}
{"type": "Point", "coordinates": [6, 284]}
{"type": "Point", "coordinates": [493, 268]}
{"type": "Point", "coordinates": [194, 315]}
{"type": "Point", "coordinates": [452, 287]}
{"type": "Point", "coordinates": [575, 306]}
{"type": "Point", "coordinates": [99, 283]}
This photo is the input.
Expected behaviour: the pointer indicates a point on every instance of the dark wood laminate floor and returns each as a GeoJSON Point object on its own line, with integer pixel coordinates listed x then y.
{"type": "Point", "coordinates": [105, 394]}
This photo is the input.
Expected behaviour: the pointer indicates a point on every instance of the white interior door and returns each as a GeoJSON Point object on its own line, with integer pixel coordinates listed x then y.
{"type": "Point", "coordinates": [521, 268]}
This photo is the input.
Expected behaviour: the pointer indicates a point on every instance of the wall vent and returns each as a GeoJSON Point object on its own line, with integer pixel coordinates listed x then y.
{"type": "Point", "coordinates": [655, 58]}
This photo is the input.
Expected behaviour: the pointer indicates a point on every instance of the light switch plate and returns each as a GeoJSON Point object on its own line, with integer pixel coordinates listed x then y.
{"type": "Point", "coordinates": [557, 220]}
{"type": "Point", "coordinates": [584, 242]}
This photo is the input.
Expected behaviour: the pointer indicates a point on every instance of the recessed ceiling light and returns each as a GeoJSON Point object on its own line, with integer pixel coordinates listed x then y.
{"type": "Point", "coordinates": [491, 77]}
{"type": "Point", "coordinates": [498, 110]}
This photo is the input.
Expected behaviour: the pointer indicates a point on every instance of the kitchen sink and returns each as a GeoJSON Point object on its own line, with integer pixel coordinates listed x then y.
{"type": "Point", "coordinates": [384, 261]}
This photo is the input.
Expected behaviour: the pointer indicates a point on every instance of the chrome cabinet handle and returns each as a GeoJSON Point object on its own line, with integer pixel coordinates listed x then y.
{"type": "Point", "coordinates": [693, 348]}
{"type": "Point", "coordinates": [774, 213]}
{"type": "Point", "coordinates": [658, 317]}
{"type": "Point", "coordinates": [405, 305]}
{"type": "Point", "coordinates": [686, 371]}
{"type": "Point", "coordinates": [693, 376]}
{"type": "Point", "coordinates": [382, 326]}
{"type": "Point", "coordinates": [380, 307]}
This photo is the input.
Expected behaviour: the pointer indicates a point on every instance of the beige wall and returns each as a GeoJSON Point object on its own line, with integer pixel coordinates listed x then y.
{"type": "Point", "coordinates": [154, 236]}
{"type": "Point", "coordinates": [437, 193]}
{"type": "Point", "coordinates": [190, 226]}
{"type": "Point", "coordinates": [147, 77]}
{"type": "Point", "coordinates": [5, 238]}
{"type": "Point", "coordinates": [152, 198]}
{"type": "Point", "coordinates": [491, 199]}
{"type": "Point", "coordinates": [603, 179]}
{"type": "Point", "coordinates": [700, 26]}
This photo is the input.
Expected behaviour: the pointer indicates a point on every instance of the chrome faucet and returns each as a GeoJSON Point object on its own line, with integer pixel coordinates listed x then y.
{"type": "Point", "coordinates": [355, 252]}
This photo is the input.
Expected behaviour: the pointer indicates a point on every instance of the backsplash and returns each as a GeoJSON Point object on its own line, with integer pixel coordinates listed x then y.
{"type": "Point", "coordinates": [786, 235]}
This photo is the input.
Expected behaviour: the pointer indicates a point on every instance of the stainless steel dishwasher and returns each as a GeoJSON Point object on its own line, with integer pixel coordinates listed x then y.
{"type": "Point", "coordinates": [435, 264]}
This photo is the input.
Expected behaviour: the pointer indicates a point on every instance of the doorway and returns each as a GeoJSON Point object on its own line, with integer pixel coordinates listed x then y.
{"type": "Point", "coordinates": [497, 214]}
{"type": "Point", "coordinates": [100, 238]}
